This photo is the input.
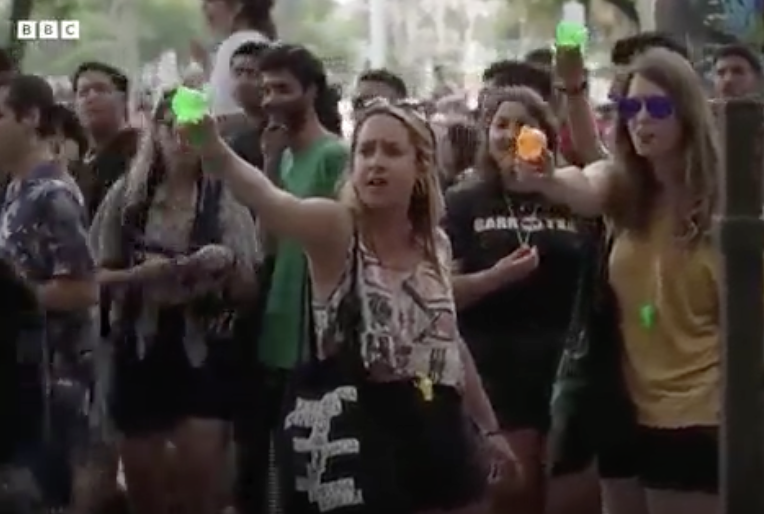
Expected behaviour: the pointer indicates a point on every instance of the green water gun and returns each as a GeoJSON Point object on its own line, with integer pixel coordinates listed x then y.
{"type": "Point", "coordinates": [190, 106]}
{"type": "Point", "coordinates": [570, 34]}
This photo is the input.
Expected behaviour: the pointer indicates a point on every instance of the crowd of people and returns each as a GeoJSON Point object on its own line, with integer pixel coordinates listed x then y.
{"type": "Point", "coordinates": [413, 319]}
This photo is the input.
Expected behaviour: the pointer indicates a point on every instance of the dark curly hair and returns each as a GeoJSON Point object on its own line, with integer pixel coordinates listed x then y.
{"type": "Point", "coordinates": [309, 71]}
{"type": "Point", "coordinates": [485, 165]}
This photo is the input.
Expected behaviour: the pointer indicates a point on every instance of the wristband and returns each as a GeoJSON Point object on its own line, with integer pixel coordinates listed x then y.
{"type": "Point", "coordinates": [580, 89]}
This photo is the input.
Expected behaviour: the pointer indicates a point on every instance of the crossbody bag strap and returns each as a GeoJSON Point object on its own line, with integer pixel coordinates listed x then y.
{"type": "Point", "coordinates": [348, 312]}
{"type": "Point", "coordinates": [353, 305]}
{"type": "Point", "coordinates": [576, 340]}
{"type": "Point", "coordinates": [309, 341]}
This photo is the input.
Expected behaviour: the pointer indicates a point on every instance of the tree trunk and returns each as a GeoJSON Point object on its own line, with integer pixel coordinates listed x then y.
{"type": "Point", "coordinates": [20, 10]}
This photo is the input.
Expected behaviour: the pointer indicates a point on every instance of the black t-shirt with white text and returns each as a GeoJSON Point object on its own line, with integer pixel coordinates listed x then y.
{"type": "Point", "coordinates": [486, 224]}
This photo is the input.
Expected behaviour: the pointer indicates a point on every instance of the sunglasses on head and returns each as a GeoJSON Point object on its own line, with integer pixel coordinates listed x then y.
{"type": "Point", "coordinates": [360, 103]}
{"type": "Point", "coordinates": [410, 110]}
{"type": "Point", "coordinates": [657, 107]}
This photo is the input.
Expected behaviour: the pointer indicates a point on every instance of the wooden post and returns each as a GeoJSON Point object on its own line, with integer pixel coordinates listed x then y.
{"type": "Point", "coordinates": [739, 232]}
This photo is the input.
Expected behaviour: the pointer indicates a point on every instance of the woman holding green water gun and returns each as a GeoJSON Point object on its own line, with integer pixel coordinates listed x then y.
{"type": "Point", "coordinates": [170, 246]}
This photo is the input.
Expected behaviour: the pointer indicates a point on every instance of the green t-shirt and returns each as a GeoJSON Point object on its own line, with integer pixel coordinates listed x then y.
{"type": "Point", "coordinates": [313, 172]}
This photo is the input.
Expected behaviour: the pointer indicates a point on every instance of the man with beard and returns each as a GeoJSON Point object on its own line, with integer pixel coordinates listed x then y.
{"type": "Point", "coordinates": [101, 96]}
{"type": "Point", "coordinates": [43, 234]}
{"type": "Point", "coordinates": [306, 159]}
{"type": "Point", "coordinates": [737, 72]}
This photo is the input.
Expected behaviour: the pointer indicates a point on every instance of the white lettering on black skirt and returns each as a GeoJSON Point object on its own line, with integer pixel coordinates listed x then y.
{"type": "Point", "coordinates": [317, 415]}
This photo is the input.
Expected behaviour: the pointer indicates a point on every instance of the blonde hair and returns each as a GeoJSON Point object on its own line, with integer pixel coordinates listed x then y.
{"type": "Point", "coordinates": [426, 205]}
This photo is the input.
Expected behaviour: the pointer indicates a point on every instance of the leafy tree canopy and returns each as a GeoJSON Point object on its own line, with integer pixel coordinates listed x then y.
{"type": "Point", "coordinates": [108, 33]}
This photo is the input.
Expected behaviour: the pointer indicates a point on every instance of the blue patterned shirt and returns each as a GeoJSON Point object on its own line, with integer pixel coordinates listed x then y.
{"type": "Point", "coordinates": [43, 232]}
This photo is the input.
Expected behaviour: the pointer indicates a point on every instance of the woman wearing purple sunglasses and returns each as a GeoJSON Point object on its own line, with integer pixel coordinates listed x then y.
{"type": "Point", "coordinates": [658, 193]}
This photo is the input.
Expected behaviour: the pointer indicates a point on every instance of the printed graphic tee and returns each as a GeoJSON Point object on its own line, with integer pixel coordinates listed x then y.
{"type": "Point", "coordinates": [486, 224]}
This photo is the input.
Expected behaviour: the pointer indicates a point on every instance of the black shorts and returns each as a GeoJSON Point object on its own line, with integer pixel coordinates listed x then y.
{"type": "Point", "coordinates": [155, 393]}
{"type": "Point", "coordinates": [518, 373]}
{"type": "Point", "coordinates": [682, 459]}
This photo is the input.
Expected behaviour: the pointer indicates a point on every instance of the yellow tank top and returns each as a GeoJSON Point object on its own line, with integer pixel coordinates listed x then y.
{"type": "Point", "coordinates": [672, 368]}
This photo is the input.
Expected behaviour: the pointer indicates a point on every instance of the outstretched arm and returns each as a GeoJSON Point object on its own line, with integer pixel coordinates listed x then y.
{"type": "Point", "coordinates": [322, 226]}
{"type": "Point", "coordinates": [583, 190]}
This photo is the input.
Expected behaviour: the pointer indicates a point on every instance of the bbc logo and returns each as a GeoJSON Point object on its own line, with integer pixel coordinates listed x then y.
{"type": "Point", "coordinates": [48, 29]}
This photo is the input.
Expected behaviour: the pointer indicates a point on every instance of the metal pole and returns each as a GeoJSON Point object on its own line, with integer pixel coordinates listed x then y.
{"type": "Point", "coordinates": [739, 234]}
{"type": "Point", "coordinates": [377, 33]}
{"type": "Point", "coordinates": [646, 11]}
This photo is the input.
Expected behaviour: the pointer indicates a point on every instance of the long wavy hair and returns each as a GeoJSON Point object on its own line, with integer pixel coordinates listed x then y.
{"type": "Point", "coordinates": [634, 188]}
{"type": "Point", "coordinates": [149, 168]}
{"type": "Point", "coordinates": [539, 110]}
{"type": "Point", "coordinates": [426, 205]}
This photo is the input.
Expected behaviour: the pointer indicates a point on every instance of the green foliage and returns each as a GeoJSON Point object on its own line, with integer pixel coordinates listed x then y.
{"type": "Point", "coordinates": [325, 28]}
{"type": "Point", "coordinates": [551, 9]}
{"type": "Point", "coordinates": [163, 25]}
{"type": "Point", "coordinates": [104, 32]}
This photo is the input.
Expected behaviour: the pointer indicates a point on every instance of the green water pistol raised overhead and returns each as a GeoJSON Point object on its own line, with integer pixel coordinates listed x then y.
{"type": "Point", "coordinates": [570, 34]}
{"type": "Point", "coordinates": [190, 105]}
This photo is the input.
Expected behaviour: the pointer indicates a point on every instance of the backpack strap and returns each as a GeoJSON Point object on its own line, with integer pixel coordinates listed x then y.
{"type": "Point", "coordinates": [207, 228]}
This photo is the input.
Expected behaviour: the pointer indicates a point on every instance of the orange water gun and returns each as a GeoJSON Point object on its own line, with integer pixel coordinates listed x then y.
{"type": "Point", "coordinates": [531, 144]}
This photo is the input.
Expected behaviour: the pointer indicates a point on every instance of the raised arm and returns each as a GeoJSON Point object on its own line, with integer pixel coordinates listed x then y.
{"type": "Point", "coordinates": [581, 125]}
{"type": "Point", "coordinates": [583, 190]}
{"type": "Point", "coordinates": [322, 226]}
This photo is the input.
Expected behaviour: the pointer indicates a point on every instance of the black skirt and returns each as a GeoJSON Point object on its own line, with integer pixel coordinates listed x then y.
{"type": "Point", "coordinates": [440, 469]}
{"type": "Point", "coordinates": [413, 456]}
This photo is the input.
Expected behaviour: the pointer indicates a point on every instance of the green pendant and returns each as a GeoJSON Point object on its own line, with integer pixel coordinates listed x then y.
{"type": "Point", "coordinates": [647, 315]}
